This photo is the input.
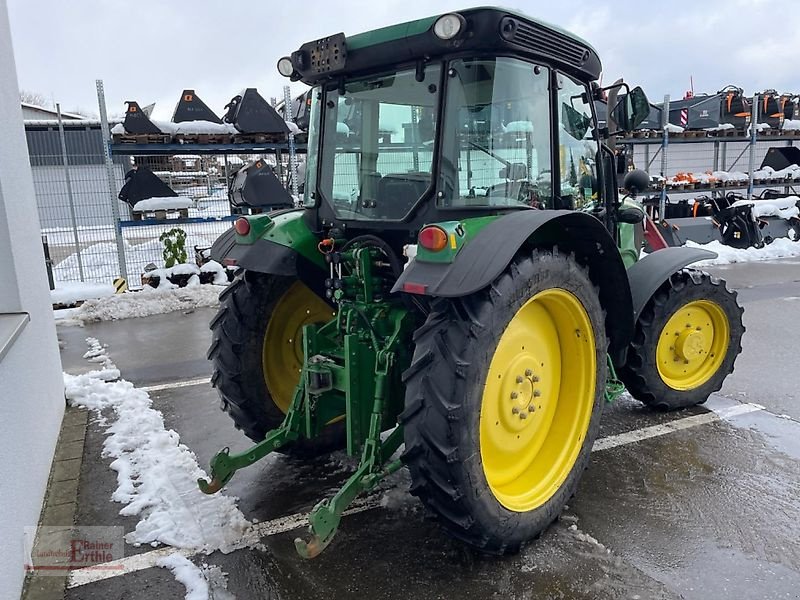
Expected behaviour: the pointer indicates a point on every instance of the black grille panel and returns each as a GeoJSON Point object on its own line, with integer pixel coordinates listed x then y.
{"type": "Point", "coordinates": [542, 41]}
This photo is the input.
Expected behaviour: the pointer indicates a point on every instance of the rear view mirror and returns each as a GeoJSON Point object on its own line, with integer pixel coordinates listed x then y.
{"type": "Point", "coordinates": [632, 109]}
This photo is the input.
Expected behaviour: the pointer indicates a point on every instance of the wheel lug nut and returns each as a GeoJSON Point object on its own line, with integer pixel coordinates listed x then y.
{"type": "Point", "coordinates": [535, 379]}
{"type": "Point", "coordinates": [536, 393]}
{"type": "Point", "coordinates": [523, 415]}
{"type": "Point", "coordinates": [528, 372]}
{"type": "Point", "coordinates": [531, 408]}
{"type": "Point", "coordinates": [515, 411]}
{"type": "Point", "coordinates": [519, 379]}
{"type": "Point", "coordinates": [514, 395]}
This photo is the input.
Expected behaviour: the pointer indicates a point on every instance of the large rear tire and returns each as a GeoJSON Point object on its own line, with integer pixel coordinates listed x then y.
{"type": "Point", "coordinates": [686, 342]}
{"type": "Point", "coordinates": [503, 399]}
{"type": "Point", "coordinates": [257, 355]}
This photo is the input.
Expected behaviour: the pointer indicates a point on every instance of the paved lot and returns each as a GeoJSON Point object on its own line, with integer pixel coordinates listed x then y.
{"type": "Point", "coordinates": [708, 511]}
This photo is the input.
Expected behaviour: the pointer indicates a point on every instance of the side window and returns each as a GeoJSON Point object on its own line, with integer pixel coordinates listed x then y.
{"type": "Point", "coordinates": [577, 145]}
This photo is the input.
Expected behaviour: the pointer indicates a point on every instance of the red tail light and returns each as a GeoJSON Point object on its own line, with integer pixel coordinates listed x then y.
{"type": "Point", "coordinates": [242, 226]}
{"type": "Point", "coordinates": [433, 238]}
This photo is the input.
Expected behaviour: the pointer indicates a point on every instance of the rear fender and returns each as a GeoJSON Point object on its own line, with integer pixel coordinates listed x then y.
{"type": "Point", "coordinates": [279, 243]}
{"type": "Point", "coordinates": [489, 253]}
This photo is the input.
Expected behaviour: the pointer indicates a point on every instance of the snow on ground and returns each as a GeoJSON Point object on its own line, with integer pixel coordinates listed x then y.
{"type": "Point", "coordinates": [70, 292]}
{"type": "Point", "coordinates": [779, 248]}
{"type": "Point", "coordinates": [147, 302]}
{"type": "Point", "coordinates": [188, 574]}
{"type": "Point", "coordinates": [163, 203]}
{"type": "Point", "coordinates": [156, 474]}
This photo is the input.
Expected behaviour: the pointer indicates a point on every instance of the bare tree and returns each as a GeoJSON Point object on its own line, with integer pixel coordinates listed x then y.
{"type": "Point", "coordinates": [35, 98]}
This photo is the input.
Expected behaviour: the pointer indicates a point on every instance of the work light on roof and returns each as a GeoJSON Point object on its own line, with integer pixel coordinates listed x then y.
{"type": "Point", "coordinates": [449, 26]}
{"type": "Point", "coordinates": [285, 66]}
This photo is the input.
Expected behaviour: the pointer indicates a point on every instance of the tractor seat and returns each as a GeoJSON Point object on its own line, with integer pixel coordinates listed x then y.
{"type": "Point", "coordinates": [398, 192]}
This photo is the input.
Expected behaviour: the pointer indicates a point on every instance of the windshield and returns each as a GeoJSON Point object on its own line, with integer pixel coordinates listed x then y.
{"type": "Point", "coordinates": [496, 148]}
{"type": "Point", "coordinates": [378, 140]}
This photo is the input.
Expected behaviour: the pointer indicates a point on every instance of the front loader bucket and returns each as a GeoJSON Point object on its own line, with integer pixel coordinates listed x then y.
{"type": "Point", "coordinates": [136, 121]}
{"type": "Point", "coordinates": [256, 184]}
{"type": "Point", "coordinates": [191, 108]}
{"type": "Point", "coordinates": [141, 183]}
{"type": "Point", "coordinates": [250, 113]}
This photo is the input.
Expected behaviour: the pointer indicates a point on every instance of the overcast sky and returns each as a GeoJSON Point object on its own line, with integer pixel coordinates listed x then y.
{"type": "Point", "coordinates": [149, 51]}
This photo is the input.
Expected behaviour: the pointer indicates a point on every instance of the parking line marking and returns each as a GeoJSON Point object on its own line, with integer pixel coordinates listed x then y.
{"type": "Point", "coordinates": [637, 435]}
{"type": "Point", "coordinates": [146, 560]}
{"type": "Point", "coordinates": [175, 384]}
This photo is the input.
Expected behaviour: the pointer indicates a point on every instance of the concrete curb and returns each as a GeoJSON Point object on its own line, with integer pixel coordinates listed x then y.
{"type": "Point", "coordinates": [61, 500]}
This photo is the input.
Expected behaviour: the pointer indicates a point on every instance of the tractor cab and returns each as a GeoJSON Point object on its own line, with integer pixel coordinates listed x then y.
{"type": "Point", "coordinates": [483, 111]}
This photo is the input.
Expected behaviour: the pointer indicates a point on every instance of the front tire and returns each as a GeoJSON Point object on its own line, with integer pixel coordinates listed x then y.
{"type": "Point", "coordinates": [503, 399]}
{"type": "Point", "coordinates": [686, 341]}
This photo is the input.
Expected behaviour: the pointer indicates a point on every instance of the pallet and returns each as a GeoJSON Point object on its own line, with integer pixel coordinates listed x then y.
{"type": "Point", "coordinates": [142, 138]}
{"type": "Point", "coordinates": [725, 133]}
{"type": "Point", "coordinates": [260, 138]}
{"type": "Point", "coordinates": [203, 138]}
{"type": "Point", "coordinates": [161, 215]}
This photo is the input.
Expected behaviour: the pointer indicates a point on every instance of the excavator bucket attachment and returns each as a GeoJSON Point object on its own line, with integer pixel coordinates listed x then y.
{"type": "Point", "coordinates": [141, 183]}
{"type": "Point", "coordinates": [256, 185]}
{"type": "Point", "coordinates": [250, 113]}
{"type": "Point", "coordinates": [136, 121]}
{"type": "Point", "coordinates": [191, 108]}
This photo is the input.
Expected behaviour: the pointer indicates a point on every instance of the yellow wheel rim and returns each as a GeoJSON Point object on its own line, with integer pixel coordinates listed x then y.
{"type": "Point", "coordinates": [692, 345]}
{"type": "Point", "coordinates": [538, 400]}
{"type": "Point", "coordinates": [282, 354]}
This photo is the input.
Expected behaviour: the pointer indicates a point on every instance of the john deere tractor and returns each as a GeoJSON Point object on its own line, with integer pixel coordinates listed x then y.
{"type": "Point", "coordinates": [462, 286]}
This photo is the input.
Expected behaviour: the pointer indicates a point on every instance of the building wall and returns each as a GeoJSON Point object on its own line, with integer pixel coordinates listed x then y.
{"type": "Point", "coordinates": [31, 385]}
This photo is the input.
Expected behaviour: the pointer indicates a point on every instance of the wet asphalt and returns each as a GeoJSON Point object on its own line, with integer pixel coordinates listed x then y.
{"type": "Point", "coordinates": [707, 512]}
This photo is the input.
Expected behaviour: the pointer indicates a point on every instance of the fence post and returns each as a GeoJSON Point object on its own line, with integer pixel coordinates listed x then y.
{"type": "Point", "coordinates": [288, 115]}
{"type": "Point", "coordinates": [112, 184]}
{"type": "Point", "coordinates": [70, 197]}
{"type": "Point", "coordinates": [662, 203]}
{"type": "Point", "coordinates": [753, 135]}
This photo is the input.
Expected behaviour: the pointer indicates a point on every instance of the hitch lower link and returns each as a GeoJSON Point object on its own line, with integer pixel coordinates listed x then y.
{"type": "Point", "coordinates": [324, 518]}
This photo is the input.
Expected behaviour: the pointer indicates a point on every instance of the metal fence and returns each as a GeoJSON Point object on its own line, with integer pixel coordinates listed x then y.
{"type": "Point", "coordinates": [94, 237]}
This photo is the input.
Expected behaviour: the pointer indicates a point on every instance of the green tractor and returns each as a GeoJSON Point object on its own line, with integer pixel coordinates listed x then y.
{"type": "Point", "coordinates": [463, 280]}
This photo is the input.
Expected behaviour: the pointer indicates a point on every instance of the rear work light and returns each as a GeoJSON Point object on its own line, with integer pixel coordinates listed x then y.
{"type": "Point", "coordinates": [242, 226]}
{"type": "Point", "coordinates": [433, 238]}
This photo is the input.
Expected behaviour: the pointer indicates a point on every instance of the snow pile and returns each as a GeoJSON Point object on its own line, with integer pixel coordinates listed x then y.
{"type": "Point", "coordinates": [720, 127]}
{"type": "Point", "coordinates": [730, 176]}
{"type": "Point", "coordinates": [784, 208]}
{"type": "Point", "coordinates": [163, 203]}
{"type": "Point", "coordinates": [70, 292]}
{"type": "Point", "coordinates": [220, 276]}
{"type": "Point", "coordinates": [164, 275]}
{"type": "Point", "coordinates": [779, 248]}
{"type": "Point", "coordinates": [790, 125]}
{"type": "Point", "coordinates": [188, 574]}
{"type": "Point", "coordinates": [100, 260]}
{"type": "Point", "coordinates": [156, 474]}
{"type": "Point", "coordinates": [673, 128]}
{"type": "Point", "coordinates": [762, 126]}
{"type": "Point", "coordinates": [792, 171]}
{"type": "Point", "coordinates": [147, 302]}
{"type": "Point", "coordinates": [202, 127]}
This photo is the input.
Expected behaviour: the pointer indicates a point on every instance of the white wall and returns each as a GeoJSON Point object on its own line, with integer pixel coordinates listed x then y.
{"type": "Point", "coordinates": [31, 386]}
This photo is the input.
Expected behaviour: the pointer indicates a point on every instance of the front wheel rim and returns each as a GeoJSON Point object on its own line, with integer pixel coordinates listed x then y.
{"type": "Point", "coordinates": [538, 400]}
{"type": "Point", "coordinates": [692, 345]}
